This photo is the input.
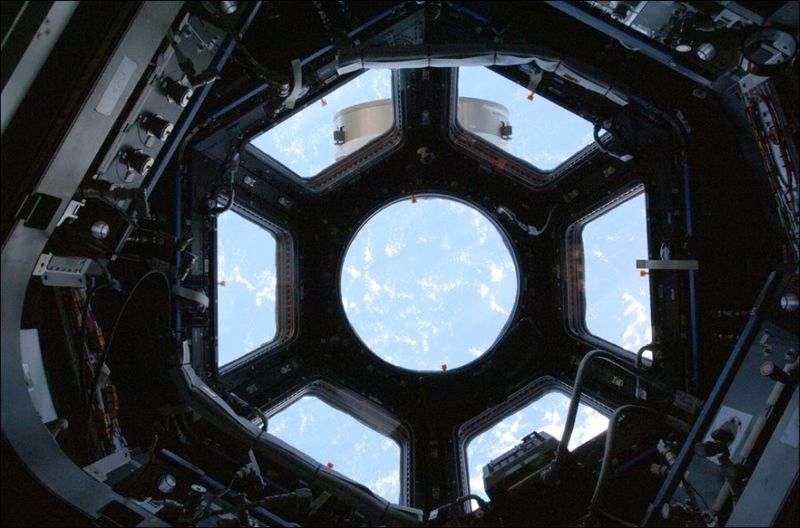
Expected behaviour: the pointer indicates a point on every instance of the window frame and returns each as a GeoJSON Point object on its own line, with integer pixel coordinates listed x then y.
{"type": "Point", "coordinates": [574, 263]}
{"type": "Point", "coordinates": [338, 171]}
{"type": "Point", "coordinates": [508, 241]}
{"type": "Point", "coordinates": [362, 409]}
{"type": "Point", "coordinates": [484, 421]}
{"type": "Point", "coordinates": [502, 161]}
{"type": "Point", "coordinates": [286, 305]}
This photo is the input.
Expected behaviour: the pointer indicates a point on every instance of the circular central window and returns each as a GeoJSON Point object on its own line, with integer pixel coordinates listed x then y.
{"type": "Point", "coordinates": [429, 283]}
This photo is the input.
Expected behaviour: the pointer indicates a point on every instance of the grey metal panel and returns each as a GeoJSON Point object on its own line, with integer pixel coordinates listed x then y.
{"type": "Point", "coordinates": [20, 423]}
{"type": "Point", "coordinates": [653, 49]}
{"type": "Point", "coordinates": [747, 395]}
{"type": "Point", "coordinates": [34, 58]}
{"type": "Point", "coordinates": [774, 476]}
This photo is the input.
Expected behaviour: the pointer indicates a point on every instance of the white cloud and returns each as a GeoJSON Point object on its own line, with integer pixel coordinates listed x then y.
{"type": "Point", "coordinates": [374, 286]}
{"type": "Point", "coordinates": [484, 290]}
{"type": "Point", "coordinates": [393, 249]}
{"type": "Point", "coordinates": [405, 340]}
{"type": "Point", "coordinates": [594, 424]}
{"type": "Point", "coordinates": [496, 272]}
{"type": "Point", "coordinates": [353, 272]}
{"type": "Point", "coordinates": [552, 417]}
{"type": "Point", "coordinates": [475, 351]}
{"type": "Point", "coordinates": [237, 277]}
{"type": "Point", "coordinates": [638, 331]}
{"type": "Point", "coordinates": [387, 486]}
{"type": "Point", "coordinates": [600, 255]}
{"type": "Point", "coordinates": [268, 282]}
{"type": "Point", "coordinates": [303, 423]}
{"type": "Point", "coordinates": [368, 253]}
{"type": "Point", "coordinates": [496, 307]}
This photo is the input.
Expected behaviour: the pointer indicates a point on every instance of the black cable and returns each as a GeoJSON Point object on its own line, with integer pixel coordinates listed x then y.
{"type": "Point", "coordinates": [605, 467]}
{"type": "Point", "coordinates": [602, 146]}
{"type": "Point", "coordinates": [110, 341]}
{"type": "Point", "coordinates": [694, 494]}
{"type": "Point", "coordinates": [233, 166]}
{"type": "Point", "coordinates": [471, 496]}
{"type": "Point", "coordinates": [200, 515]}
{"type": "Point", "coordinates": [615, 519]}
{"type": "Point", "coordinates": [638, 363]}
{"type": "Point", "coordinates": [577, 390]}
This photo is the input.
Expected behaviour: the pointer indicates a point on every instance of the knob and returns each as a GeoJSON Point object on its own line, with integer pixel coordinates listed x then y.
{"type": "Point", "coordinates": [157, 126]}
{"type": "Point", "coordinates": [100, 230]}
{"type": "Point", "coordinates": [178, 93]}
{"type": "Point", "coordinates": [139, 161]}
{"type": "Point", "coordinates": [775, 373]}
{"type": "Point", "coordinates": [194, 498]}
{"type": "Point", "coordinates": [789, 302]}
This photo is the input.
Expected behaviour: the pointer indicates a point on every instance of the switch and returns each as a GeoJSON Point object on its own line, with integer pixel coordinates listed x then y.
{"type": "Point", "coordinates": [138, 161]}
{"type": "Point", "coordinates": [178, 93]}
{"type": "Point", "coordinates": [157, 126]}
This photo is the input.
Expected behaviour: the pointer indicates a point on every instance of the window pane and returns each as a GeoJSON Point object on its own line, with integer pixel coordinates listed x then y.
{"type": "Point", "coordinates": [246, 281]}
{"type": "Point", "coordinates": [429, 281]}
{"type": "Point", "coordinates": [331, 436]}
{"type": "Point", "coordinates": [617, 295]}
{"type": "Point", "coordinates": [304, 142]}
{"type": "Point", "coordinates": [546, 414]}
{"type": "Point", "coordinates": [544, 134]}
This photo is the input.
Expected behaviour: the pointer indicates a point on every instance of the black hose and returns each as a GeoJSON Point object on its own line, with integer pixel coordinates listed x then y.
{"type": "Point", "coordinates": [477, 498]}
{"type": "Point", "coordinates": [605, 467]}
{"type": "Point", "coordinates": [233, 167]}
{"type": "Point", "coordinates": [110, 341]}
{"type": "Point", "coordinates": [638, 361]}
{"type": "Point", "coordinates": [602, 146]}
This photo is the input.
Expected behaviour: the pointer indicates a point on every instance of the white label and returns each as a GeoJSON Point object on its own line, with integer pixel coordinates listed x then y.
{"type": "Point", "coordinates": [118, 83]}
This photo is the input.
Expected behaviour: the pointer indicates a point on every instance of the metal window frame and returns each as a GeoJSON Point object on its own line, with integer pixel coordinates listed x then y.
{"type": "Point", "coordinates": [502, 161]}
{"type": "Point", "coordinates": [286, 304]}
{"type": "Point", "coordinates": [574, 265]}
{"type": "Point", "coordinates": [339, 171]}
{"type": "Point", "coordinates": [364, 410]}
{"type": "Point", "coordinates": [528, 394]}
{"type": "Point", "coordinates": [507, 241]}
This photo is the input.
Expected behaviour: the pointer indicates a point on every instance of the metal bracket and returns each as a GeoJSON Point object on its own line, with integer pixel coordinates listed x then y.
{"type": "Point", "coordinates": [69, 272]}
{"type": "Point", "coordinates": [71, 211]}
{"type": "Point", "coordinates": [667, 264]}
{"type": "Point", "coordinates": [101, 469]}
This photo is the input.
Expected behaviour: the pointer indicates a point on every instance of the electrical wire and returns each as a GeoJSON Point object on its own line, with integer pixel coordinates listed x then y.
{"type": "Point", "coordinates": [200, 515]}
{"type": "Point", "coordinates": [531, 230]}
{"type": "Point", "coordinates": [82, 336]}
{"type": "Point", "coordinates": [106, 351]}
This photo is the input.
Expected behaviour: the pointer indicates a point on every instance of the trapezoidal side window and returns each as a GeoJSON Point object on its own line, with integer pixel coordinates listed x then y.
{"type": "Point", "coordinates": [254, 273]}
{"type": "Point", "coordinates": [541, 410]}
{"type": "Point", "coordinates": [348, 434]}
{"type": "Point", "coordinates": [318, 144]}
{"type": "Point", "coordinates": [497, 112]}
{"type": "Point", "coordinates": [612, 297]}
